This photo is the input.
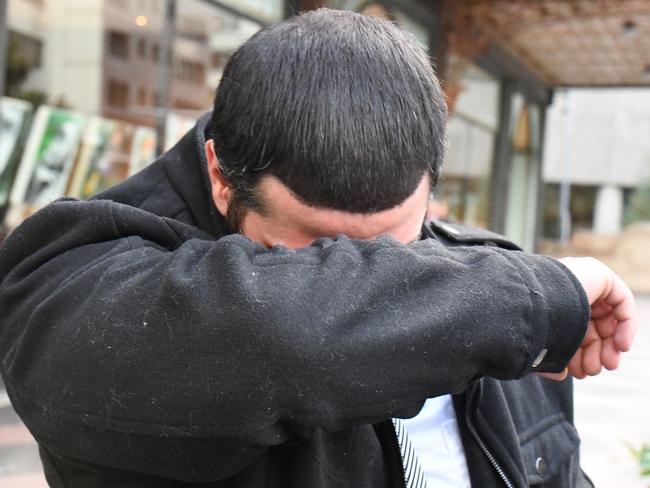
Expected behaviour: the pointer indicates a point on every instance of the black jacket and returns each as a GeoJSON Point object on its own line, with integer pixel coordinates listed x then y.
{"type": "Point", "coordinates": [142, 346]}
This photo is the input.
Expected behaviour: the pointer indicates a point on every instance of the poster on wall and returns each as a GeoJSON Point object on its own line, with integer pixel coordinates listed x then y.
{"type": "Point", "coordinates": [104, 157]}
{"type": "Point", "coordinates": [176, 126]}
{"type": "Point", "coordinates": [15, 116]}
{"type": "Point", "coordinates": [143, 149]}
{"type": "Point", "coordinates": [47, 161]}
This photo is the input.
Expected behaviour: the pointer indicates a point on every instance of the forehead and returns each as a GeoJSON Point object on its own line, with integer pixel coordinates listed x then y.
{"type": "Point", "coordinates": [284, 210]}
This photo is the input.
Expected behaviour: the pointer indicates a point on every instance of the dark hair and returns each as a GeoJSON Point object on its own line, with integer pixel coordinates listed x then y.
{"type": "Point", "coordinates": [344, 109]}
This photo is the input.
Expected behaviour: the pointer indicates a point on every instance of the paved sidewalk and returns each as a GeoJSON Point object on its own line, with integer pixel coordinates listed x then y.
{"type": "Point", "coordinates": [612, 411]}
{"type": "Point", "coordinates": [20, 466]}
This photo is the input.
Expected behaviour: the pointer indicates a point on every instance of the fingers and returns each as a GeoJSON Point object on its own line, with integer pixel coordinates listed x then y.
{"type": "Point", "coordinates": [594, 354]}
{"type": "Point", "coordinates": [605, 289]}
{"type": "Point", "coordinates": [592, 334]}
{"type": "Point", "coordinates": [587, 362]}
{"type": "Point", "coordinates": [575, 366]}
{"type": "Point", "coordinates": [555, 376]}
{"type": "Point", "coordinates": [600, 309]}
{"type": "Point", "coordinates": [610, 356]}
{"type": "Point", "coordinates": [613, 322]}
{"type": "Point", "coordinates": [625, 312]}
{"type": "Point", "coordinates": [591, 358]}
{"type": "Point", "coordinates": [624, 336]}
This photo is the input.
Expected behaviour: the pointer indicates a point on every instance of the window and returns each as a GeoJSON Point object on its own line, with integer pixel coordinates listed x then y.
{"type": "Point", "coordinates": [118, 94]}
{"type": "Point", "coordinates": [190, 71]}
{"type": "Point", "coordinates": [218, 60]}
{"type": "Point", "coordinates": [468, 163]}
{"type": "Point", "coordinates": [192, 29]}
{"type": "Point", "coordinates": [582, 200]}
{"type": "Point", "coordinates": [187, 105]}
{"type": "Point", "coordinates": [142, 48]}
{"type": "Point", "coordinates": [142, 96]}
{"type": "Point", "coordinates": [28, 49]}
{"type": "Point", "coordinates": [118, 44]}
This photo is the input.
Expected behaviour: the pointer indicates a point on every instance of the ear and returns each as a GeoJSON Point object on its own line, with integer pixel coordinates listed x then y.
{"type": "Point", "coordinates": [221, 191]}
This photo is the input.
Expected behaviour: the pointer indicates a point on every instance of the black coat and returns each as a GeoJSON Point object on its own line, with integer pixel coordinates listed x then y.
{"type": "Point", "coordinates": [142, 346]}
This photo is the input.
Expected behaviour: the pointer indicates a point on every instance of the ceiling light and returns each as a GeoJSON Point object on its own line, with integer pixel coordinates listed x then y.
{"type": "Point", "coordinates": [141, 21]}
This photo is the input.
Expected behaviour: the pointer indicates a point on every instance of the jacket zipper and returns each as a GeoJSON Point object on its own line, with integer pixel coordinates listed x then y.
{"type": "Point", "coordinates": [486, 451]}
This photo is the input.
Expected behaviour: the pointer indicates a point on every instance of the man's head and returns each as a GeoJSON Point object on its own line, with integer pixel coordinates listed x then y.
{"type": "Point", "coordinates": [338, 112]}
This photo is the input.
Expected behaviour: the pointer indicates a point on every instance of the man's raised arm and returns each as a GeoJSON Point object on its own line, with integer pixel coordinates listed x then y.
{"type": "Point", "coordinates": [99, 293]}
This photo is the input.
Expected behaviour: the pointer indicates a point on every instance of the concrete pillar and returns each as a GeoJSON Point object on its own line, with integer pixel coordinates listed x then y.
{"type": "Point", "coordinates": [608, 211]}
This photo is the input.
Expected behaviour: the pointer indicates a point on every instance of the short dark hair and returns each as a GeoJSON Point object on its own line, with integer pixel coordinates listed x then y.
{"type": "Point", "coordinates": [344, 109]}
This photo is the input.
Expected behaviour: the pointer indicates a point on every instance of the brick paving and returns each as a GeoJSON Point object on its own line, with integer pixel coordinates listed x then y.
{"type": "Point", "coordinates": [612, 413]}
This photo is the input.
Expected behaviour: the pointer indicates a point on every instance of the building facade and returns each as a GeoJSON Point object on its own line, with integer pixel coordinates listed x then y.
{"type": "Point", "coordinates": [597, 144]}
{"type": "Point", "coordinates": [103, 57]}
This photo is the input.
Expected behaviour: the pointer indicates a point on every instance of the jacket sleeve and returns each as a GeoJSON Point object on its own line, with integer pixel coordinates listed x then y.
{"type": "Point", "coordinates": [116, 320]}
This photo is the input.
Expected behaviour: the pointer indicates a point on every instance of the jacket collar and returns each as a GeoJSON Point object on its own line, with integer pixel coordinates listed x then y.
{"type": "Point", "coordinates": [187, 167]}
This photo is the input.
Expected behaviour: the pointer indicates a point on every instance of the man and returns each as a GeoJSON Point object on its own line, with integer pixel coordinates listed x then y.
{"type": "Point", "coordinates": [202, 324]}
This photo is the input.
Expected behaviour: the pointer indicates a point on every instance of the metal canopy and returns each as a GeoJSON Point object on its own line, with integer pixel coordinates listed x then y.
{"type": "Point", "coordinates": [564, 42]}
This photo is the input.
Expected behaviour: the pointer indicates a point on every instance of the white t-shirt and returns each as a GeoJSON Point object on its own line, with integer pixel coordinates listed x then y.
{"type": "Point", "coordinates": [435, 438]}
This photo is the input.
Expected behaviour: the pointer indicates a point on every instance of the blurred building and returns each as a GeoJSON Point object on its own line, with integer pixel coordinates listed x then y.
{"type": "Point", "coordinates": [102, 57]}
{"type": "Point", "coordinates": [597, 141]}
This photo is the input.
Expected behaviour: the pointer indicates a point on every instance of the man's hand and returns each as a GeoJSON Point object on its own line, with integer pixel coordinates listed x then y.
{"type": "Point", "coordinates": [613, 318]}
